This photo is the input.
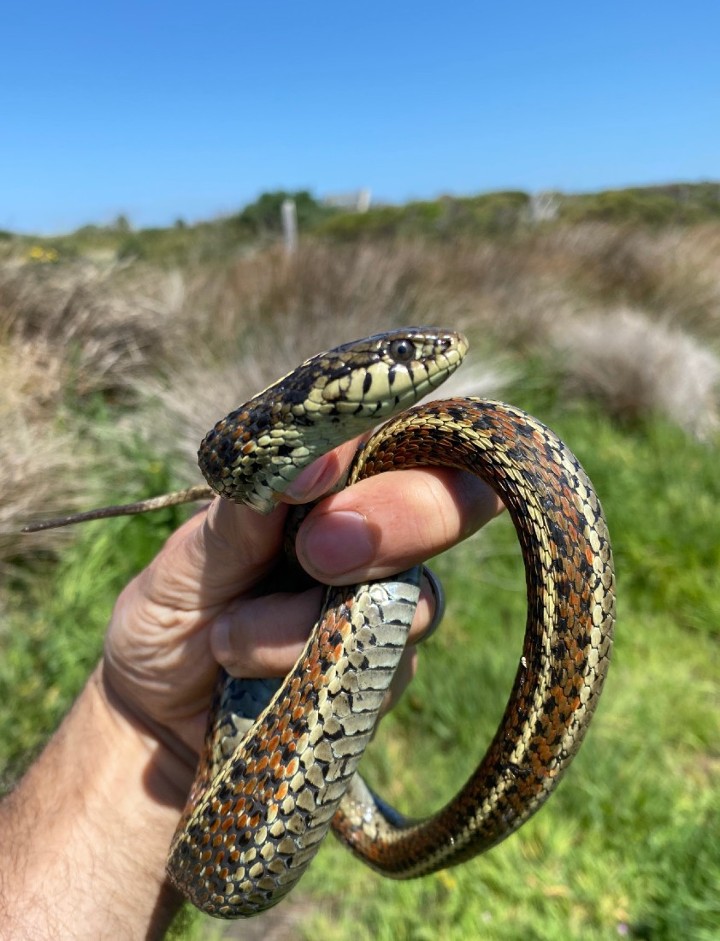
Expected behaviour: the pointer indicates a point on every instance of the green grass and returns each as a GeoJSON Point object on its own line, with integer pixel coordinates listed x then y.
{"type": "Point", "coordinates": [629, 846]}
{"type": "Point", "coordinates": [52, 639]}
{"type": "Point", "coordinates": [55, 612]}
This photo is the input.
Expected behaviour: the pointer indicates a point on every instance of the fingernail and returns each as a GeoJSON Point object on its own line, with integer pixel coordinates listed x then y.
{"type": "Point", "coordinates": [339, 542]}
{"type": "Point", "coordinates": [312, 481]}
{"type": "Point", "coordinates": [220, 637]}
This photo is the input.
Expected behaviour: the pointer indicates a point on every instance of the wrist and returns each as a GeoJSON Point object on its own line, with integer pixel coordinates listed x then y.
{"type": "Point", "coordinates": [171, 763]}
{"type": "Point", "coordinates": [89, 827]}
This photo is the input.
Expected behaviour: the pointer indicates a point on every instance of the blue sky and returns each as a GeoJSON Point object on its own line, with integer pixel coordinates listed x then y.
{"type": "Point", "coordinates": [163, 110]}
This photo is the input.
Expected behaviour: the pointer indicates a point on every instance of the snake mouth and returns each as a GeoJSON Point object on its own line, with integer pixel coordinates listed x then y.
{"type": "Point", "coordinates": [401, 369]}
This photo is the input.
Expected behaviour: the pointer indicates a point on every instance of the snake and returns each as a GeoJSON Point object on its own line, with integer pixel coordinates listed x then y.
{"type": "Point", "coordinates": [265, 796]}
{"type": "Point", "coordinates": [278, 768]}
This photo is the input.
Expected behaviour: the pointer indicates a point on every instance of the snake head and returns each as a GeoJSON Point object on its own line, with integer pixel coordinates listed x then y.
{"type": "Point", "coordinates": [253, 454]}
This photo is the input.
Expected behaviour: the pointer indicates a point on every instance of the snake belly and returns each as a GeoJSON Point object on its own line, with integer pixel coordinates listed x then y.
{"type": "Point", "coordinates": [266, 795]}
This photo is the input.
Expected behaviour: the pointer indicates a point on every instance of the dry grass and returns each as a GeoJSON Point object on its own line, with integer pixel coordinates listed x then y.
{"type": "Point", "coordinates": [673, 275]}
{"type": "Point", "coordinates": [42, 466]}
{"type": "Point", "coordinates": [106, 324]}
{"type": "Point", "coordinates": [68, 334]}
{"type": "Point", "coordinates": [327, 294]}
{"type": "Point", "coordinates": [625, 308]}
{"type": "Point", "coordinates": [328, 291]}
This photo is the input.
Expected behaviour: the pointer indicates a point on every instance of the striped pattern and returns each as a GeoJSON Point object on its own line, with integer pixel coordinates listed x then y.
{"type": "Point", "coordinates": [265, 797]}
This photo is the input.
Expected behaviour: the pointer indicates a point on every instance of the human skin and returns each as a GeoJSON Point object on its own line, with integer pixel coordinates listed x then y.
{"type": "Point", "coordinates": [86, 832]}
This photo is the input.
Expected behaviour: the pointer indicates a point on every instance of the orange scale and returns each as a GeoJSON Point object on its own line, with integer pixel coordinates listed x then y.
{"type": "Point", "coordinates": [544, 754]}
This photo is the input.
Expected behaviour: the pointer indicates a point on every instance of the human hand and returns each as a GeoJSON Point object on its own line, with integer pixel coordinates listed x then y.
{"type": "Point", "coordinates": [196, 605]}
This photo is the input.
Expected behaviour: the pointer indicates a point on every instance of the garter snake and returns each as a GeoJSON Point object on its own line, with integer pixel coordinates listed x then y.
{"type": "Point", "coordinates": [279, 763]}
{"type": "Point", "coordinates": [265, 797]}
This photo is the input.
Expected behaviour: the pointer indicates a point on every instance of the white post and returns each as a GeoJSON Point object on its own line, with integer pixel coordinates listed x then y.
{"type": "Point", "coordinates": [288, 214]}
{"type": "Point", "coordinates": [544, 207]}
{"type": "Point", "coordinates": [363, 200]}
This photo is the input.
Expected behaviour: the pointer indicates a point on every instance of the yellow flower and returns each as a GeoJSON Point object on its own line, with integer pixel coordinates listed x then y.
{"type": "Point", "coordinates": [43, 255]}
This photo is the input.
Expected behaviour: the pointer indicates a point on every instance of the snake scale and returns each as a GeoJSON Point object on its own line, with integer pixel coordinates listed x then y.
{"type": "Point", "coordinates": [270, 785]}
{"type": "Point", "coordinates": [265, 798]}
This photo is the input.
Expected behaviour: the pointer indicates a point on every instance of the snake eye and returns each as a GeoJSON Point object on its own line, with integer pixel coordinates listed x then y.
{"type": "Point", "coordinates": [402, 351]}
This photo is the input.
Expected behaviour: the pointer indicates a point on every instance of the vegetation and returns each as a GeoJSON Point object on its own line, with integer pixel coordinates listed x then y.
{"type": "Point", "coordinates": [448, 217]}
{"type": "Point", "coordinates": [492, 214]}
{"type": "Point", "coordinates": [608, 330]}
{"type": "Point", "coordinates": [652, 205]}
{"type": "Point", "coordinates": [263, 217]}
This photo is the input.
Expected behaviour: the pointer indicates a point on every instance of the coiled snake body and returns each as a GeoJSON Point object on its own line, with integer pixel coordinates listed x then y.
{"type": "Point", "coordinates": [264, 798]}
{"type": "Point", "coordinates": [268, 788]}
